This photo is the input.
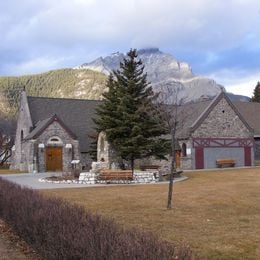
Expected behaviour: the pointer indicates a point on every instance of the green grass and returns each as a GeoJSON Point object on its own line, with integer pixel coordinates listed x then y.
{"type": "Point", "coordinates": [216, 212]}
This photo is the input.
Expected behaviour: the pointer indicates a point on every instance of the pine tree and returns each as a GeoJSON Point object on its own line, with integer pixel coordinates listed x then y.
{"type": "Point", "coordinates": [127, 115]}
{"type": "Point", "coordinates": [256, 96]}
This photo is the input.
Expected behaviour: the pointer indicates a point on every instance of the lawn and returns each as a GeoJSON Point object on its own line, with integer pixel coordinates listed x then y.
{"type": "Point", "coordinates": [8, 171]}
{"type": "Point", "coordinates": [216, 212]}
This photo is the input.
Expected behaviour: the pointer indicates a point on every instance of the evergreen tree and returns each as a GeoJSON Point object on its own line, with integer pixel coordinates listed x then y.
{"type": "Point", "coordinates": [256, 96]}
{"type": "Point", "coordinates": [128, 116]}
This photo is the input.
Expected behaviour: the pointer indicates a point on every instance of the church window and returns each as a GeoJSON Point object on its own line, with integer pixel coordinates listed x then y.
{"type": "Point", "coordinates": [21, 135]}
{"type": "Point", "coordinates": [55, 140]}
{"type": "Point", "coordinates": [184, 150]}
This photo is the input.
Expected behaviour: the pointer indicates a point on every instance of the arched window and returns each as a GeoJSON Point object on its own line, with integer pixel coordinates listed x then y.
{"type": "Point", "coordinates": [54, 141]}
{"type": "Point", "coordinates": [184, 150]}
{"type": "Point", "coordinates": [21, 135]}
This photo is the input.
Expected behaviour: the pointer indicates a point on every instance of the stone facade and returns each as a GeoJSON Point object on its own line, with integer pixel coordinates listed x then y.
{"type": "Point", "coordinates": [105, 152]}
{"type": "Point", "coordinates": [69, 153]}
{"type": "Point", "coordinates": [29, 154]}
{"type": "Point", "coordinates": [222, 133]}
{"type": "Point", "coordinates": [217, 119]}
{"type": "Point", "coordinates": [34, 151]}
{"type": "Point", "coordinates": [186, 156]}
{"type": "Point", "coordinates": [222, 121]}
{"type": "Point", "coordinates": [103, 148]}
{"type": "Point", "coordinates": [257, 148]}
{"type": "Point", "coordinates": [24, 124]}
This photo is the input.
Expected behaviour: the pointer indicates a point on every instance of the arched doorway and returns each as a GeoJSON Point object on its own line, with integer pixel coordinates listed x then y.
{"type": "Point", "coordinates": [54, 154]}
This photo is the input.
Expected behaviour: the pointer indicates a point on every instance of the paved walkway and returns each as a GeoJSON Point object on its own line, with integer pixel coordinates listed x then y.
{"type": "Point", "coordinates": [31, 180]}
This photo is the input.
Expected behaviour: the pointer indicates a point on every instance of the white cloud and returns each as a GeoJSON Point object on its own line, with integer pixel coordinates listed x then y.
{"type": "Point", "coordinates": [236, 81]}
{"type": "Point", "coordinates": [47, 34]}
{"type": "Point", "coordinates": [40, 64]}
{"type": "Point", "coordinates": [204, 24]}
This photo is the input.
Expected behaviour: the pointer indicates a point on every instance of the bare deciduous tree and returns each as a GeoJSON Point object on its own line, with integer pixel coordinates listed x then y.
{"type": "Point", "coordinates": [6, 139]}
{"type": "Point", "coordinates": [169, 104]}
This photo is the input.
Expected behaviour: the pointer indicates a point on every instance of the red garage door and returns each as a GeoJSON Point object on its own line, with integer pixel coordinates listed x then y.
{"type": "Point", "coordinates": [199, 158]}
{"type": "Point", "coordinates": [248, 161]}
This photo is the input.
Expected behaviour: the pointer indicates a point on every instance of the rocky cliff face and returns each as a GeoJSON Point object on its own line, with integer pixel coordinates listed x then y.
{"type": "Point", "coordinates": [165, 73]}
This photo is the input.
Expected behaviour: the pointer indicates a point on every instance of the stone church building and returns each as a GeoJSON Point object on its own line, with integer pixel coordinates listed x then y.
{"type": "Point", "coordinates": [52, 132]}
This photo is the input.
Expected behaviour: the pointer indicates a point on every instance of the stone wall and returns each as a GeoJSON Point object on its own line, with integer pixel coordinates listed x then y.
{"type": "Point", "coordinates": [139, 177]}
{"type": "Point", "coordinates": [257, 148]}
{"type": "Point", "coordinates": [186, 161]}
{"type": "Point", "coordinates": [222, 121]}
{"type": "Point", "coordinates": [24, 123]}
{"type": "Point", "coordinates": [68, 154]}
{"type": "Point", "coordinates": [106, 153]}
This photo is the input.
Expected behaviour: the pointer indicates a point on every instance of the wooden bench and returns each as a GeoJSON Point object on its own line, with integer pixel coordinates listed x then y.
{"type": "Point", "coordinates": [115, 175]}
{"type": "Point", "coordinates": [225, 163]}
{"type": "Point", "coordinates": [149, 167]}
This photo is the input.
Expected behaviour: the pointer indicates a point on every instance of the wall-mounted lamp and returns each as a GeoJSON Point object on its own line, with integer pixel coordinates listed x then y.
{"type": "Point", "coordinates": [68, 146]}
{"type": "Point", "coordinates": [41, 146]}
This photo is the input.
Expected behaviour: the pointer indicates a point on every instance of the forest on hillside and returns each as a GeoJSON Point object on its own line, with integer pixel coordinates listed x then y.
{"type": "Point", "coordinates": [64, 83]}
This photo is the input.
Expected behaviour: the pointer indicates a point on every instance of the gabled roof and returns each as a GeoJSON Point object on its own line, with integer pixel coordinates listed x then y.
{"type": "Point", "coordinates": [42, 125]}
{"type": "Point", "coordinates": [191, 115]}
{"type": "Point", "coordinates": [251, 112]}
{"type": "Point", "coordinates": [76, 114]}
{"type": "Point", "coordinates": [215, 101]}
{"type": "Point", "coordinates": [187, 116]}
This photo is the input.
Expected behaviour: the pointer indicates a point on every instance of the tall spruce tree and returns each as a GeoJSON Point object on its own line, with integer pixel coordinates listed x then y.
{"type": "Point", "coordinates": [127, 114]}
{"type": "Point", "coordinates": [256, 96]}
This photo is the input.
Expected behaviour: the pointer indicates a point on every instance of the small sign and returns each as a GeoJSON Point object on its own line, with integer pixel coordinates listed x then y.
{"type": "Point", "coordinates": [75, 161]}
{"type": "Point", "coordinates": [188, 151]}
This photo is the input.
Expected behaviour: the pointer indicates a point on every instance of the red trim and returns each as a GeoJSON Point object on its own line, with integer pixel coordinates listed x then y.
{"type": "Point", "coordinates": [247, 154]}
{"type": "Point", "coordinates": [199, 158]}
{"type": "Point", "coordinates": [222, 142]}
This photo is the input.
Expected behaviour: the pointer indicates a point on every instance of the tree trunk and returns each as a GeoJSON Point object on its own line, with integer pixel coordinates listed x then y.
{"type": "Point", "coordinates": [172, 172]}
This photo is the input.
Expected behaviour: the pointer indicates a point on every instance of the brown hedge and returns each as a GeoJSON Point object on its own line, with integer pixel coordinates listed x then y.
{"type": "Point", "coordinates": [59, 230]}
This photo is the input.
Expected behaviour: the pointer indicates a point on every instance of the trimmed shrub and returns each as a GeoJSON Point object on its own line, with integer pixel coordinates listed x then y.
{"type": "Point", "coordinates": [57, 229]}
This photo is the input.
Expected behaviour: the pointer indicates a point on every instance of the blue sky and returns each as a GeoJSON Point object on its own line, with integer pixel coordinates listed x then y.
{"type": "Point", "coordinates": [220, 39]}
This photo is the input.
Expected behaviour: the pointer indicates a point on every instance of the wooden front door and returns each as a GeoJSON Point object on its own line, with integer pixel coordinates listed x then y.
{"type": "Point", "coordinates": [54, 159]}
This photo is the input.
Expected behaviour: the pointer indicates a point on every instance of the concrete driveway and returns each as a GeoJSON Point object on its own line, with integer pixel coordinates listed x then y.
{"type": "Point", "coordinates": [31, 180]}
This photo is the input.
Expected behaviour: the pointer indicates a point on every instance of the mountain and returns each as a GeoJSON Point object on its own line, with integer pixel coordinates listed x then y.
{"type": "Point", "coordinates": [234, 97]}
{"type": "Point", "coordinates": [88, 81]}
{"type": "Point", "coordinates": [166, 74]}
{"type": "Point", "coordinates": [67, 83]}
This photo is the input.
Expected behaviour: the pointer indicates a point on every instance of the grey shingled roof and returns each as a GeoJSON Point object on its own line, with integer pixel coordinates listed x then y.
{"type": "Point", "coordinates": [251, 113]}
{"type": "Point", "coordinates": [188, 115]}
{"type": "Point", "coordinates": [76, 114]}
{"type": "Point", "coordinates": [40, 125]}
